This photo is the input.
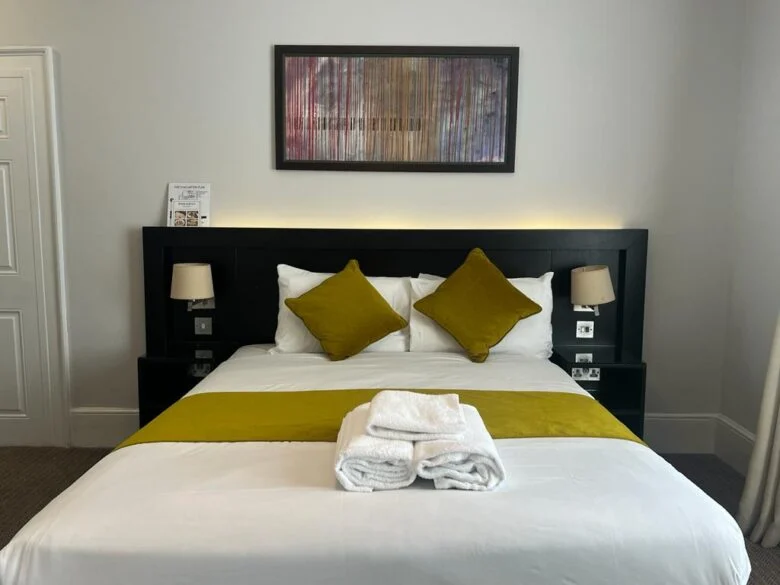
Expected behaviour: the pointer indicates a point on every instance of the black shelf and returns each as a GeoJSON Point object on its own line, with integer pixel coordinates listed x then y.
{"type": "Point", "coordinates": [620, 386]}
{"type": "Point", "coordinates": [162, 381]}
{"type": "Point", "coordinates": [600, 355]}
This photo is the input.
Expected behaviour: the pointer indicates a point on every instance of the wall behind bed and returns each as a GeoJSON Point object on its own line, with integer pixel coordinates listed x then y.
{"type": "Point", "coordinates": [627, 116]}
{"type": "Point", "coordinates": [755, 260]}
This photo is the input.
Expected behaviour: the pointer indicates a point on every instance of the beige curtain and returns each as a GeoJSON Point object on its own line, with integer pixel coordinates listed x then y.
{"type": "Point", "coordinates": [759, 510]}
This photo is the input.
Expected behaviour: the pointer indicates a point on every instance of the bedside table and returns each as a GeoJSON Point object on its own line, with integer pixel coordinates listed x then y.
{"type": "Point", "coordinates": [163, 380]}
{"type": "Point", "coordinates": [616, 380]}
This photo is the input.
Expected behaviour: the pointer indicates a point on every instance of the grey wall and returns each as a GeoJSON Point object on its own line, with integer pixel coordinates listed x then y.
{"type": "Point", "coordinates": [627, 118]}
{"type": "Point", "coordinates": [755, 288]}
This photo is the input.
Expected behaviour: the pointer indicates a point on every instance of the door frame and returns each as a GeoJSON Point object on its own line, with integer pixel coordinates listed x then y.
{"type": "Point", "coordinates": [56, 352]}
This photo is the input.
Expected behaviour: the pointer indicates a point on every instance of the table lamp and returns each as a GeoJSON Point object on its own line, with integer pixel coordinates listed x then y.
{"type": "Point", "coordinates": [591, 286]}
{"type": "Point", "coordinates": [192, 282]}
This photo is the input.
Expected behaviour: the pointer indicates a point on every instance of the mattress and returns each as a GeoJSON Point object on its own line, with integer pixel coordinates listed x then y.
{"type": "Point", "coordinates": [574, 511]}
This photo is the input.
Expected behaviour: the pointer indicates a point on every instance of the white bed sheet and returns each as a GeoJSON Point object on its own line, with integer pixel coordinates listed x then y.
{"type": "Point", "coordinates": [254, 369]}
{"type": "Point", "coordinates": [574, 511]}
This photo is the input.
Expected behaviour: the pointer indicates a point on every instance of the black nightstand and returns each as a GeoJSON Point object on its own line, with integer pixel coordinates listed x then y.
{"type": "Point", "coordinates": [616, 380]}
{"type": "Point", "coordinates": [163, 380]}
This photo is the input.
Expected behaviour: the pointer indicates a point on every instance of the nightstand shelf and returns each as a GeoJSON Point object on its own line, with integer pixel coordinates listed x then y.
{"type": "Point", "coordinates": [164, 380]}
{"type": "Point", "coordinates": [616, 380]}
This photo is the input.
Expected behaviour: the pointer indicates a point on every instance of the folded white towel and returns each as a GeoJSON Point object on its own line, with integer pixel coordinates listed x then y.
{"type": "Point", "coordinates": [365, 463]}
{"type": "Point", "coordinates": [470, 463]}
{"type": "Point", "coordinates": [410, 416]}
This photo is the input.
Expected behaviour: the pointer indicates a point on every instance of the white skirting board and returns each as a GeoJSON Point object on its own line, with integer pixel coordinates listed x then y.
{"type": "Point", "coordinates": [666, 433]}
{"type": "Point", "coordinates": [680, 433]}
{"type": "Point", "coordinates": [733, 443]}
{"type": "Point", "coordinates": [700, 433]}
{"type": "Point", "coordinates": [97, 426]}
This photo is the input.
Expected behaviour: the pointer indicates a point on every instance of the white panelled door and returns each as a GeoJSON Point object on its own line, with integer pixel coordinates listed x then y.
{"type": "Point", "coordinates": [31, 373]}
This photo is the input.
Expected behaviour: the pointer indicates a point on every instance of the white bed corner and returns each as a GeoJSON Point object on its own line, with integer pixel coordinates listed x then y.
{"type": "Point", "coordinates": [579, 511]}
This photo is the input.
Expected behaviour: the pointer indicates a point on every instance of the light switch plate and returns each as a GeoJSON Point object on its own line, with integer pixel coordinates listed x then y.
{"type": "Point", "coordinates": [202, 325]}
{"type": "Point", "coordinates": [585, 329]}
{"type": "Point", "coordinates": [583, 358]}
{"type": "Point", "coordinates": [204, 354]}
{"type": "Point", "coordinates": [586, 374]}
{"type": "Point", "coordinates": [583, 309]}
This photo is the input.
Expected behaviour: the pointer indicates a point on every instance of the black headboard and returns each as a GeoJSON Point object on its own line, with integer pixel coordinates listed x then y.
{"type": "Point", "coordinates": [244, 263]}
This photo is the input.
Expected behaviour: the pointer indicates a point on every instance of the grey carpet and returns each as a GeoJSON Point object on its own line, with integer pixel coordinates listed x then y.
{"type": "Point", "coordinates": [724, 485]}
{"type": "Point", "coordinates": [31, 476]}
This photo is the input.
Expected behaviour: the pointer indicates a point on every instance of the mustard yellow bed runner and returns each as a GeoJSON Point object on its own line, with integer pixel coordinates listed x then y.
{"type": "Point", "coordinates": [316, 416]}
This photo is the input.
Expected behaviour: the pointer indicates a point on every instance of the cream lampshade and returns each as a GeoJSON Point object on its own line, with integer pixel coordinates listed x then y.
{"type": "Point", "coordinates": [192, 282]}
{"type": "Point", "coordinates": [591, 286]}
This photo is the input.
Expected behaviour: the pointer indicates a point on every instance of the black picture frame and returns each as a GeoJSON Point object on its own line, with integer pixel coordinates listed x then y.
{"type": "Point", "coordinates": [508, 139]}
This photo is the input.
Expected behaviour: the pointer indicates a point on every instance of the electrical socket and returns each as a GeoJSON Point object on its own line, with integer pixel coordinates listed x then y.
{"type": "Point", "coordinates": [583, 358]}
{"type": "Point", "coordinates": [585, 329]}
{"type": "Point", "coordinates": [586, 374]}
{"type": "Point", "coordinates": [200, 370]}
{"type": "Point", "coordinates": [583, 309]}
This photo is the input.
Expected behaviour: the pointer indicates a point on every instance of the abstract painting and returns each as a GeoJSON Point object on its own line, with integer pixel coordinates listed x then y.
{"type": "Point", "coordinates": [396, 108]}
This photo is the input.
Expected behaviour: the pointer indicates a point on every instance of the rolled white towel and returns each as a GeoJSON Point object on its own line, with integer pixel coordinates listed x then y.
{"type": "Point", "coordinates": [365, 463]}
{"type": "Point", "coordinates": [470, 463]}
{"type": "Point", "coordinates": [410, 416]}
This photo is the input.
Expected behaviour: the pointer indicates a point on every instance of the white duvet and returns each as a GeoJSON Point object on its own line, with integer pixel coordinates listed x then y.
{"type": "Point", "coordinates": [572, 511]}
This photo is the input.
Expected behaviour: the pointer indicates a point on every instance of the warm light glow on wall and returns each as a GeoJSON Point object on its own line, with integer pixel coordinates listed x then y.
{"type": "Point", "coordinates": [504, 222]}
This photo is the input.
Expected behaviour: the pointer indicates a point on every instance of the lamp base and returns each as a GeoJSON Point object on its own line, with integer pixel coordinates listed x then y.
{"type": "Point", "coordinates": [200, 305]}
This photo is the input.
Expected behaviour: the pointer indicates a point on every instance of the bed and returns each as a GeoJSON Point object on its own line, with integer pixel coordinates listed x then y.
{"type": "Point", "coordinates": [582, 511]}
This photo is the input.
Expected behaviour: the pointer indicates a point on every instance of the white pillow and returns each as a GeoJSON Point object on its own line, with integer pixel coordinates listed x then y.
{"type": "Point", "coordinates": [292, 336]}
{"type": "Point", "coordinates": [531, 337]}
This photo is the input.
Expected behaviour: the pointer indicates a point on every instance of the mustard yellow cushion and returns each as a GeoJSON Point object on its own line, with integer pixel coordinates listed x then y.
{"type": "Point", "coordinates": [346, 313]}
{"type": "Point", "coordinates": [477, 305]}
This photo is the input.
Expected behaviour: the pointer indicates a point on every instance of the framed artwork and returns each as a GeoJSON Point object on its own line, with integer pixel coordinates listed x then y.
{"type": "Point", "coordinates": [373, 108]}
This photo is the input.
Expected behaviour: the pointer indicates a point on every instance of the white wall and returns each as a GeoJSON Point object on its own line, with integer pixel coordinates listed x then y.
{"type": "Point", "coordinates": [755, 288]}
{"type": "Point", "coordinates": [627, 118]}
